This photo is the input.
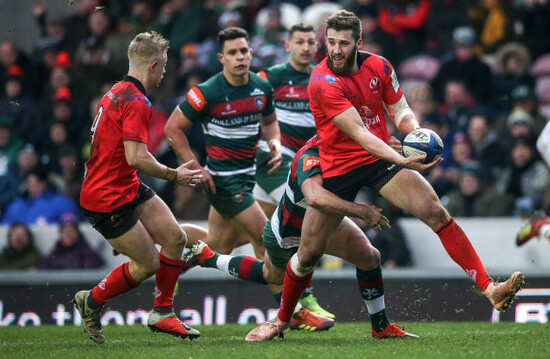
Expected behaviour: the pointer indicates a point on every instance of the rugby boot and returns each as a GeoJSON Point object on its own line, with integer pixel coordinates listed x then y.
{"type": "Point", "coordinates": [502, 294]}
{"type": "Point", "coordinates": [392, 331]}
{"type": "Point", "coordinates": [306, 320]}
{"type": "Point", "coordinates": [310, 303]}
{"type": "Point", "coordinates": [205, 256]}
{"type": "Point", "coordinates": [531, 229]}
{"type": "Point", "coordinates": [267, 331]}
{"type": "Point", "coordinates": [170, 324]}
{"type": "Point", "coordinates": [91, 318]}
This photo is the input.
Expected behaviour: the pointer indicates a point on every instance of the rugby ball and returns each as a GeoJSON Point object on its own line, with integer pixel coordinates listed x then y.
{"type": "Point", "coordinates": [423, 141]}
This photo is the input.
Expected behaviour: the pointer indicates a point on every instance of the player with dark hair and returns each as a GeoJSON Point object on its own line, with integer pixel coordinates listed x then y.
{"type": "Point", "coordinates": [289, 81]}
{"type": "Point", "coordinates": [125, 211]}
{"type": "Point", "coordinates": [233, 106]}
{"type": "Point", "coordinates": [348, 92]}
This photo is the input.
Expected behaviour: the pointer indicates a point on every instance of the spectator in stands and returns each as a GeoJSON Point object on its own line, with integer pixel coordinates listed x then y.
{"type": "Point", "coordinates": [40, 204]}
{"type": "Point", "coordinates": [268, 45]}
{"type": "Point", "coordinates": [26, 161]}
{"type": "Point", "coordinates": [10, 144]}
{"type": "Point", "coordinates": [99, 26]}
{"type": "Point", "coordinates": [67, 174]}
{"type": "Point", "coordinates": [485, 145]}
{"type": "Point", "coordinates": [524, 98]}
{"type": "Point", "coordinates": [71, 251]}
{"type": "Point", "coordinates": [531, 20]}
{"type": "Point", "coordinates": [97, 65]}
{"type": "Point", "coordinates": [20, 252]}
{"type": "Point", "coordinates": [444, 17]}
{"type": "Point", "coordinates": [456, 107]}
{"type": "Point", "coordinates": [406, 21]}
{"type": "Point", "coordinates": [11, 55]}
{"type": "Point", "coordinates": [466, 66]}
{"type": "Point", "coordinates": [444, 177]}
{"type": "Point", "coordinates": [525, 178]}
{"type": "Point", "coordinates": [179, 21]}
{"type": "Point", "coordinates": [493, 20]}
{"type": "Point", "coordinates": [519, 123]}
{"type": "Point", "coordinates": [375, 39]}
{"type": "Point", "coordinates": [474, 198]}
{"type": "Point", "coordinates": [392, 245]}
{"type": "Point", "coordinates": [18, 104]}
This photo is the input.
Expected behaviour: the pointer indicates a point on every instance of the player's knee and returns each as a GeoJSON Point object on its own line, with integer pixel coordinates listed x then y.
{"type": "Point", "coordinates": [310, 257]}
{"type": "Point", "coordinates": [434, 212]}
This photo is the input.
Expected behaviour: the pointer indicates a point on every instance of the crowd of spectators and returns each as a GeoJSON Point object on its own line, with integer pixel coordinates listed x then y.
{"type": "Point", "coordinates": [477, 72]}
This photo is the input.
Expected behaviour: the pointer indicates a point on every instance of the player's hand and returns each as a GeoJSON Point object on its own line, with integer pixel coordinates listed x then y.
{"type": "Point", "coordinates": [186, 176]}
{"type": "Point", "coordinates": [373, 217]}
{"type": "Point", "coordinates": [206, 179]}
{"type": "Point", "coordinates": [417, 163]}
{"type": "Point", "coordinates": [395, 144]}
{"type": "Point", "coordinates": [276, 156]}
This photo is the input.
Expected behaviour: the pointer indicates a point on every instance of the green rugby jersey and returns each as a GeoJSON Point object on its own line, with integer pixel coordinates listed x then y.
{"type": "Point", "coordinates": [286, 222]}
{"type": "Point", "coordinates": [230, 117]}
{"type": "Point", "coordinates": [292, 106]}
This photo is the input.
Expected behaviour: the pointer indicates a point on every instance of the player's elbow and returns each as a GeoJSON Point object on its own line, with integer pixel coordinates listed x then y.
{"type": "Point", "coordinates": [133, 161]}
{"type": "Point", "coordinates": [315, 201]}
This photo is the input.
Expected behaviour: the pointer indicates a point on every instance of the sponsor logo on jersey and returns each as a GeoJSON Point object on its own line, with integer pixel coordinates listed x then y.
{"type": "Point", "coordinates": [292, 93]}
{"type": "Point", "coordinates": [259, 101]}
{"type": "Point", "coordinates": [310, 162]}
{"type": "Point", "coordinates": [374, 84]}
{"type": "Point", "coordinates": [196, 99]}
{"type": "Point", "coordinates": [228, 110]}
{"type": "Point", "coordinates": [137, 98]}
{"type": "Point", "coordinates": [331, 79]}
{"type": "Point", "coordinates": [366, 116]}
{"type": "Point", "coordinates": [257, 92]}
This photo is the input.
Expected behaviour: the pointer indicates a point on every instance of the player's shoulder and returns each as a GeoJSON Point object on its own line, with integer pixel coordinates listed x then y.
{"type": "Point", "coordinates": [377, 62]}
{"type": "Point", "coordinates": [276, 70]}
{"type": "Point", "coordinates": [127, 93]}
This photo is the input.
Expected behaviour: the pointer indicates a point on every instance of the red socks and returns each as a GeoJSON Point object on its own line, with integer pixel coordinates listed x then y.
{"type": "Point", "coordinates": [293, 286]}
{"type": "Point", "coordinates": [167, 277]}
{"type": "Point", "coordinates": [460, 249]}
{"type": "Point", "coordinates": [117, 282]}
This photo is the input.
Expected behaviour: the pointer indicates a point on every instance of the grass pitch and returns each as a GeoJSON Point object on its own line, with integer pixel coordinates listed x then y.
{"type": "Point", "coordinates": [345, 340]}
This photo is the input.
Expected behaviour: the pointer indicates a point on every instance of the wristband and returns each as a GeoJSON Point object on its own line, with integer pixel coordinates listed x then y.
{"type": "Point", "coordinates": [171, 174]}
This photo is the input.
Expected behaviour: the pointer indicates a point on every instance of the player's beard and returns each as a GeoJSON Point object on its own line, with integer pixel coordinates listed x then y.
{"type": "Point", "coordinates": [348, 64]}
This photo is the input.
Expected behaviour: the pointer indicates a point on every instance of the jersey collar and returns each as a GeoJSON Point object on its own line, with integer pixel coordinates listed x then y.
{"type": "Point", "coordinates": [136, 83]}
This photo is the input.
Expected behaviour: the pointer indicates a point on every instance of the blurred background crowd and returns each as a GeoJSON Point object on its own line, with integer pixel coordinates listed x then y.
{"type": "Point", "coordinates": [475, 71]}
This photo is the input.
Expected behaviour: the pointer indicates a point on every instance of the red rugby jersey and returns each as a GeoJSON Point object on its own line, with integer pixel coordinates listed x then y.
{"type": "Point", "coordinates": [123, 114]}
{"type": "Point", "coordinates": [368, 89]}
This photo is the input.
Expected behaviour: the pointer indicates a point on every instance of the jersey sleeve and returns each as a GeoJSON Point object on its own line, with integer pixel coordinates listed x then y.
{"type": "Point", "coordinates": [308, 165]}
{"type": "Point", "coordinates": [392, 91]}
{"type": "Point", "coordinates": [193, 105]}
{"type": "Point", "coordinates": [270, 102]}
{"type": "Point", "coordinates": [136, 116]}
{"type": "Point", "coordinates": [326, 94]}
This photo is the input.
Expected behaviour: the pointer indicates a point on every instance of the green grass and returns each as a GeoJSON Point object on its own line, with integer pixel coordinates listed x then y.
{"type": "Point", "coordinates": [345, 340]}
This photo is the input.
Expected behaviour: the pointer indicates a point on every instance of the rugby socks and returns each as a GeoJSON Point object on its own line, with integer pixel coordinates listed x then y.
{"type": "Point", "coordinates": [117, 282]}
{"type": "Point", "coordinates": [167, 277]}
{"type": "Point", "coordinates": [371, 286]}
{"type": "Point", "coordinates": [293, 287]}
{"type": "Point", "coordinates": [460, 249]}
{"type": "Point", "coordinates": [244, 267]}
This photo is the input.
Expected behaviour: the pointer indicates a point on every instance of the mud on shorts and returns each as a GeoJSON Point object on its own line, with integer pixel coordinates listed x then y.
{"type": "Point", "coordinates": [277, 255]}
{"type": "Point", "coordinates": [119, 221]}
{"type": "Point", "coordinates": [233, 194]}
{"type": "Point", "coordinates": [270, 188]}
{"type": "Point", "coordinates": [373, 175]}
